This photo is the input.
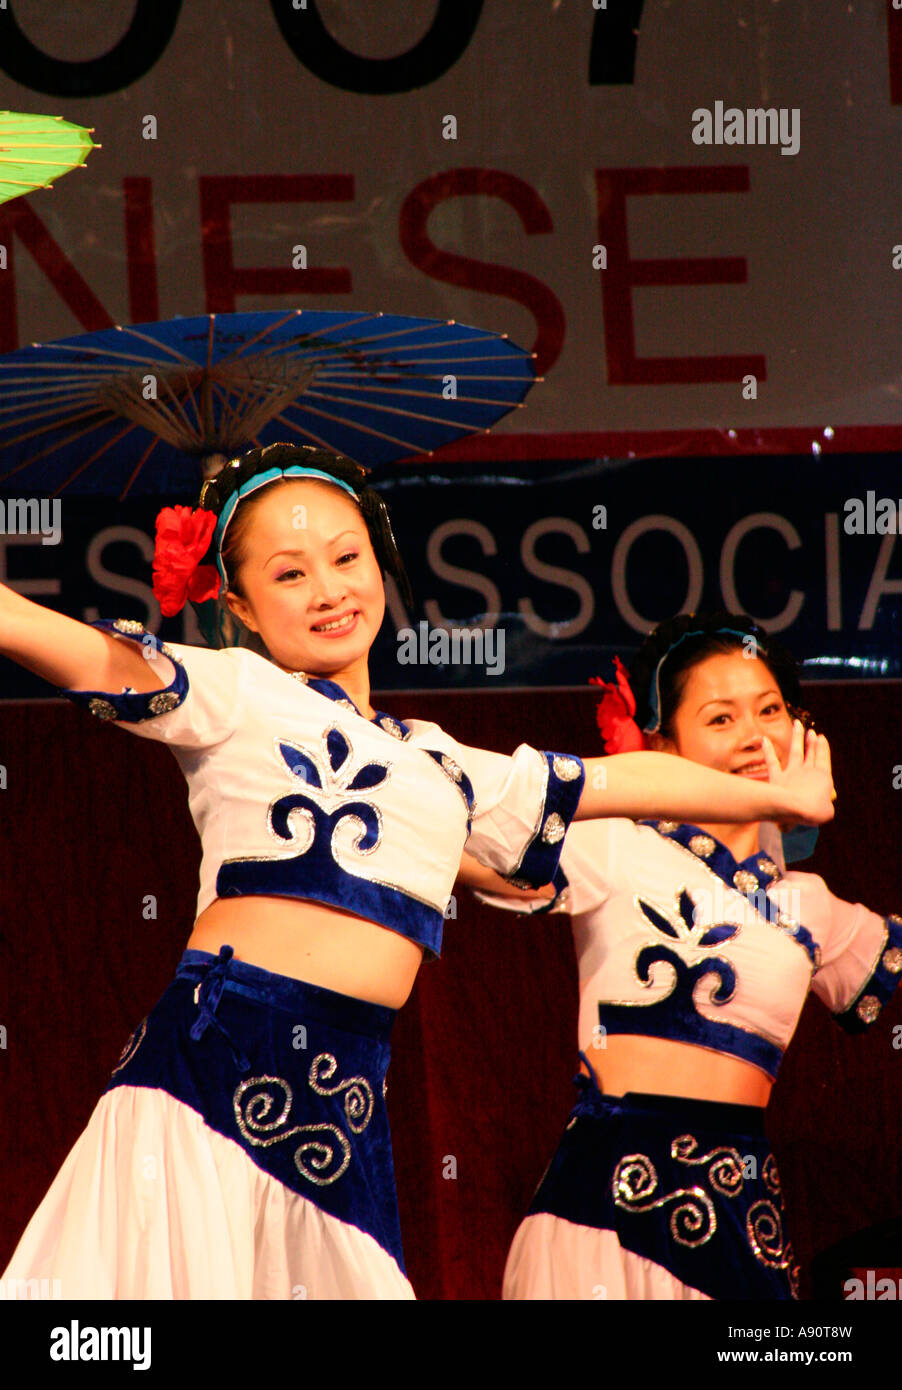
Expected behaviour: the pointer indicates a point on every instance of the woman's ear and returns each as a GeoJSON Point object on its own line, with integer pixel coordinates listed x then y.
{"type": "Point", "coordinates": [240, 609]}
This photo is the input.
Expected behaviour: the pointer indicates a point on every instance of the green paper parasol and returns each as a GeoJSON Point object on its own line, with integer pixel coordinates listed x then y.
{"type": "Point", "coordinates": [35, 150]}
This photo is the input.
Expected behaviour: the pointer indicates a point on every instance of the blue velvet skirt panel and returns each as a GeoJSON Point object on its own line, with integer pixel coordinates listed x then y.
{"type": "Point", "coordinates": [291, 1072]}
{"type": "Point", "coordinates": [689, 1184]}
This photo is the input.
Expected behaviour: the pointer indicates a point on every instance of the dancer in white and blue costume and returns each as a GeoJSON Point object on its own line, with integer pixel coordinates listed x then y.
{"type": "Point", "coordinates": [331, 836]}
{"type": "Point", "coordinates": [664, 1186]}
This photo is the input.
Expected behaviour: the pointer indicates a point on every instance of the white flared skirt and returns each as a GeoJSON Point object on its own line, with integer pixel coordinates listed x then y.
{"type": "Point", "coordinates": [240, 1151]}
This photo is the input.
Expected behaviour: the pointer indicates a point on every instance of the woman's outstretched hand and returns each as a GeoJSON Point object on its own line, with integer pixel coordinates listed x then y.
{"type": "Point", "coordinates": [807, 776]}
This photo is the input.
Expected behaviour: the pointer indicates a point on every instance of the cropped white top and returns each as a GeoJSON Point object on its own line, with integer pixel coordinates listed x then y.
{"type": "Point", "coordinates": [677, 940]}
{"type": "Point", "coordinates": [296, 794]}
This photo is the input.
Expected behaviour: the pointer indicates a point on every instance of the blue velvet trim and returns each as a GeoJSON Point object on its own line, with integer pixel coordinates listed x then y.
{"type": "Point", "coordinates": [677, 1019]}
{"type": "Point", "coordinates": [315, 875]}
{"type": "Point", "coordinates": [132, 708]}
{"type": "Point", "coordinates": [333, 691]}
{"type": "Point", "coordinates": [463, 784]}
{"type": "Point", "coordinates": [881, 985]}
{"type": "Point", "coordinates": [541, 859]}
{"type": "Point", "coordinates": [722, 863]}
{"type": "Point", "coordinates": [560, 881]}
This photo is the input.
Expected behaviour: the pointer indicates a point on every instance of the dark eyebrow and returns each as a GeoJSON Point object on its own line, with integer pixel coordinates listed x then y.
{"type": "Point", "coordinates": [762, 695]}
{"type": "Point", "coordinates": [348, 532]}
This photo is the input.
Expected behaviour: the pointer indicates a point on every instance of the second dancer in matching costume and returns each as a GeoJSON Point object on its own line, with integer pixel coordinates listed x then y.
{"type": "Point", "coordinates": [696, 952]}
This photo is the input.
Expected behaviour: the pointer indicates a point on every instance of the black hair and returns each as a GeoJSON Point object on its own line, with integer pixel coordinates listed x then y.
{"type": "Point", "coordinates": [217, 491]}
{"type": "Point", "coordinates": [706, 640]}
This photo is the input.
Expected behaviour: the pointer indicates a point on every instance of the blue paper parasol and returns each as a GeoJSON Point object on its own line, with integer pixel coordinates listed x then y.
{"type": "Point", "coordinates": [154, 408]}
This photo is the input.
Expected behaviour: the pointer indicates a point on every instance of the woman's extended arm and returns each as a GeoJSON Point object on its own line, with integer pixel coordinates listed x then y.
{"type": "Point", "coordinates": [474, 875]}
{"type": "Point", "coordinates": [70, 654]}
{"type": "Point", "coordinates": [640, 785]}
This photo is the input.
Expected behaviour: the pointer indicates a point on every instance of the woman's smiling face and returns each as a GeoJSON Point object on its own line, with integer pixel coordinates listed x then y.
{"type": "Point", "coordinates": [729, 703]}
{"type": "Point", "coordinates": [312, 586]}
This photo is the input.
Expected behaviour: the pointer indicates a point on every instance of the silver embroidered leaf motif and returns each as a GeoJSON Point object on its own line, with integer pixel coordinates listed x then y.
{"type": "Point", "coordinates": [331, 784]}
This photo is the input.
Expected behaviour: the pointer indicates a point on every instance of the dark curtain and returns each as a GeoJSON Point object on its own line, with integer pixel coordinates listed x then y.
{"type": "Point", "coordinates": [94, 821]}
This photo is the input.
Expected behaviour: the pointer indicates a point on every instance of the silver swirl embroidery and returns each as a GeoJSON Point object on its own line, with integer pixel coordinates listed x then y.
{"type": "Point", "coordinates": [764, 1229]}
{"type": "Point", "coordinates": [131, 1047]}
{"type": "Point", "coordinates": [772, 1178]}
{"type": "Point", "coordinates": [358, 1099]}
{"type": "Point", "coordinates": [726, 1172]}
{"type": "Point", "coordinates": [693, 1220]}
{"type": "Point", "coordinates": [252, 1115]}
{"type": "Point", "coordinates": [322, 1154]}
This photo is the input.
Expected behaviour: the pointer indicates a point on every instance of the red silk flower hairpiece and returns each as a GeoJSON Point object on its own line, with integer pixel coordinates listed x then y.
{"type": "Point", "coordinates": [183, 536]}
{"type": "Point", "coordinates": [614, 714]}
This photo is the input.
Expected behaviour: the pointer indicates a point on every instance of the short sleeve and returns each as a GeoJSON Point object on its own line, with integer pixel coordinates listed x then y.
{"type": "Point", "coordinates": [523, 805]}
{"type": "Point", "coordinates": [861, 963]}
{"type": "Point", "coordinates": [583, 877]}
{"type": "Point", "coordinates": [197, 709]}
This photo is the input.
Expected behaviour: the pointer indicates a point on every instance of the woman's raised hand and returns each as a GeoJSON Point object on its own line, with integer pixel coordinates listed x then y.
{"type": "Point", "coordinates": [807, 776]}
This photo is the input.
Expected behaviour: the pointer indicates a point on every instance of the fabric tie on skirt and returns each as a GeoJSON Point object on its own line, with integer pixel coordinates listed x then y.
{"type": "Point", "coordinates": [207, 995]}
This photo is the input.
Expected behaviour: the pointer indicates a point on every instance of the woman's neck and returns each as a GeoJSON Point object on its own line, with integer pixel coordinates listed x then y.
{"type": "Point", "coordinates": [355, 681]}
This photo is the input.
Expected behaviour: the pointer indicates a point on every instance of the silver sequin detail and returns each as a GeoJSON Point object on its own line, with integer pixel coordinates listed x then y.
{"type": "Point", "coordinates": [567, 769]}
{"type": "Point", "coordinates": [787, 924]}
{"type": "Point", "coordinates": [325, 1146]}
{"type": "Point", "coordinates": [868, 1008]}
{"type": "Point", "coordinates": [131, 1047]}
{"type": "Point", "coordinates": [745, 881]}
{"type": "Point", "coordinates": [702, 845]}
{"type": "Point", "coordinates": [519, 883]}
{"type": "Point", "coordinates": [553, 829]}
{"type": "Point", "coordinates": [667, 827]}
{"type": "Point", "coordinates": [300, 676]}
{"type": "Point", "coordinates": [451, 767]}
{"type": "Point", "coordinates": [764, 1229]}
{"type": "Point", "coordinates": [772, 1178]}
{"type": "Point", "coordinates": [358, 1092]}
{"type": "Point", "coordinates": [163, 702]}
{"type": "Point", "coordinates": [892, 960]}
{"type": "Point", "coordinates": [103, 709]}
{"type": "Point", "coordinates": [347, 704]}
{"type": "Point", "coordinates": [692, 1222]}
{"type": "Point", "coordinates": [894, 918]}
{"type": "Point", "coordinates": [128, 625]}
{"type": "Point", "coordinates": [390, 726]}
{"type": "Point", "coordinates": [173, 655]}
{"type": "Point", "coordinates": [767, 866]}
{"type": "Point", "coordinates": [726, 1172]}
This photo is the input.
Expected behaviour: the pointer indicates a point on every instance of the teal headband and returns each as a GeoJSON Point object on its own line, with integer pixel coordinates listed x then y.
{"type": "Point", "coordinates": [654, 695]}
{"type": "Point", "coordinates": [294, 470]}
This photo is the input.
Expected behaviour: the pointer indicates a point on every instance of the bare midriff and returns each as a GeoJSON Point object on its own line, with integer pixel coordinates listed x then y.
{"type": "Point", "coordinates": [312, 942]}
{"type": "Point", "coordinates": [660, 1067]}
